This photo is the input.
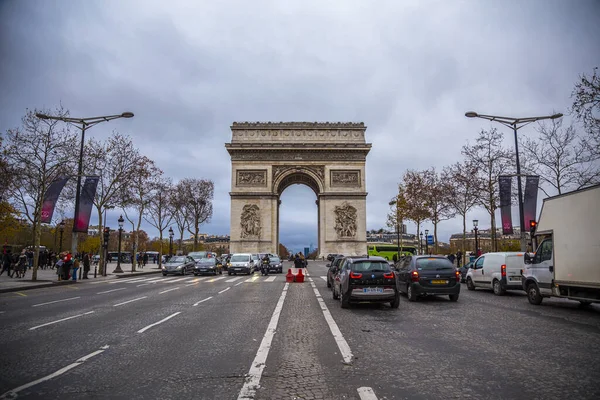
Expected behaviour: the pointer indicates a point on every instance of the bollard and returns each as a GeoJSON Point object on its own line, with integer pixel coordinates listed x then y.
{"type": "Point", "coordinates": [289, 278]}
{"type": "Point", "coordinates": [95, 270]}
{"type": "Point", "coordinates": [300, 276]}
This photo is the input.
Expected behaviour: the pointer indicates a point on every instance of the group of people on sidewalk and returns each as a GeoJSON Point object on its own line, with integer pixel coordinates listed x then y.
{"type": "Point", "coordinates": [16, 265]}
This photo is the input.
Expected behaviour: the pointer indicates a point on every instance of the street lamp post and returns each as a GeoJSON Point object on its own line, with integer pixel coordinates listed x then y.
{"type": "Point", "coordinates": [515, 124]}
{"type": "Point", "coordinates": [426, 241]}
{"type": "Point", "coordinates": [421, 243]}
{"type": "Point", "coordinates": [118, 270]}
{"type": "Point", "coordinates": [171, 234]}
{"type": "Point", "coordinates": [475, 223]}
{"type": "Point", "coordinates": [82, 124]}
{"type": "Point", "coordinates": [61, 228]}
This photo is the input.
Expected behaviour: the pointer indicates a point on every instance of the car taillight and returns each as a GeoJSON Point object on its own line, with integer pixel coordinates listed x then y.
{"type": "Point", "coordinates": [503, 270]}
{"type": "Point", "coordinates": [354, 275]}
{"type": "Point", "coordinates": [414, 276]}
{"type": "Point", "coordinates": [388, 275]}
{"type": "Point", "coordinates": [457, 272]}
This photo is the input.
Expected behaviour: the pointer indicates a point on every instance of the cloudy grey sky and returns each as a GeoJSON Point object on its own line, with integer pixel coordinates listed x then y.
{"type": "Point", "coordinates": [408, 69]}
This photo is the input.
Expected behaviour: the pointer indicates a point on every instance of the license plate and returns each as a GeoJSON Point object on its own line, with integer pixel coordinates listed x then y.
{"type": "Point", "coordinates": [202, 270]}
{"type": "Point", "coordinates": [238, 269]}
{"type": "Point", "coordinates": [438, 282]}
{"type": "Point", "coordinates": [372, 290]}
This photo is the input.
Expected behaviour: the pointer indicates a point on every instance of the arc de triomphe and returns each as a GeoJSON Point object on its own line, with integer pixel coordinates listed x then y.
{"type": "Point", "coordinates": [268, 157]}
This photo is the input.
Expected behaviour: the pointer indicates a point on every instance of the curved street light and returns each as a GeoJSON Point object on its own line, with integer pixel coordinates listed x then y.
{"type": "Point", "coordinates": [515, 124]}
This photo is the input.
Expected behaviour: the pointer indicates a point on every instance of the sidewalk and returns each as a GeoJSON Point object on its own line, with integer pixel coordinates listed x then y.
{"type": "Point", "coordinates": [48, 277]}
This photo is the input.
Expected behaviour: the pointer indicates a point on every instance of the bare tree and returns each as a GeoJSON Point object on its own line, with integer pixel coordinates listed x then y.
{"type": "Point", "coordinates": [490, 160]}
{"type": "Point", "coordinates": [414, 192]}
{"type": "Point", "coordinates": [561, 159]}
{"type": "Point", "coordinates": [114, 161]}
{"type": "Point", "coordinates": [159, 212]}
{"type": "Point", "coordinates": [145, 177]}
{"type": "Point", "coordinates": [37, 153]}
{"type": "Point", "coordinates": [460, 181]}
{"type": "Point", "coordinates": [198, 195]}
{"type": "Point", "coordinates": [586, 104]}
{"type": "Point", "coordinates": [436, 201]}
{"type": "Point", "coordinates": [180, 212]}
{"type": "Point", "coordinates": [397, 214]}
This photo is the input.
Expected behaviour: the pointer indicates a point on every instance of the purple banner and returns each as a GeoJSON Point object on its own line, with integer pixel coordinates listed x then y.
{"type": "Point", "coordinates": [505, 183]}
{"type": "Point", "coordinates": [86, 200]}
{"type": "Point", "coordinates": [530, 199]}
{"type": "Point", "coordinates": [50, 198]}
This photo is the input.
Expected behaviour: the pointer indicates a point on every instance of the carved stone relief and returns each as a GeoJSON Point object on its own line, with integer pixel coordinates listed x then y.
{"type": "Point", "coordinates": [349, 178]}
{"type": "Point", "coordinates": [298, 155]}
{"type": "Point", "coordinates": [318, 170]}
{"type": "Point", "coordinates": [251, 178]}
{"type": "Point", "coordinates": [345, 221]}
{"type": "Point", "coordinates": [250, 221]}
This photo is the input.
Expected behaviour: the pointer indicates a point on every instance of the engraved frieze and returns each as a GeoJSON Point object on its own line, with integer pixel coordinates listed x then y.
{"type": "Point", "coordinates": [348, 178]}
{"type": "Point", "coordinates": [251, 178]}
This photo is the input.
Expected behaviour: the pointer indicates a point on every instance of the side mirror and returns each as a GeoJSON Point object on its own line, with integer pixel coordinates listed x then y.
{"type": "Point", "coordinates": [527, 258]}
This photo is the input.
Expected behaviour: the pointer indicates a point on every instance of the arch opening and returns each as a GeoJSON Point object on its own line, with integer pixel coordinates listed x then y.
{"type": "Point", "coordinates": [298, 218]}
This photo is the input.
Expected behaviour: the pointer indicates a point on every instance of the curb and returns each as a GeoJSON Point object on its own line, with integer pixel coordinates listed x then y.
{"type": "Point", "coordinates": [129, 274]}
{"type": "Point", "coordinates": [38, 286]}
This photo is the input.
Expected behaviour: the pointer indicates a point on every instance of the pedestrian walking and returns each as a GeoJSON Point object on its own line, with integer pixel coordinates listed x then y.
{"type": "Point", "coordinates": [76, 265]}
{"type": "Point", "coordinates": [298, 263]}
{"type": "Point", "coordinates": [67, 266]}
{"type": "Point", "coordinates": [6, 263]}
{"type": "Point", "coordinates": [86, 265]}
{"type": "Point", "coordinates": [145, 259]}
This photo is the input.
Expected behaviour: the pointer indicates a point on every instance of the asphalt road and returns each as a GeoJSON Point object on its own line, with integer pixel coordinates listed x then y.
{"type": "Point", "coordinates": [227, 338]}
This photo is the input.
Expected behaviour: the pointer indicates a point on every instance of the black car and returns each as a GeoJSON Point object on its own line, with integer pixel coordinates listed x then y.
{"type": "Point", "coordinates": [463, 271]}
{"type": "Point", "coordinates": [334, 268]}
{"type": "Point", "coordinates": [178, 265]}
{"type": "Point", "coordinates": [428, 275]}
{"type": "Point", "coordinates": [208, 266]}
{"type": "Point", "coordinates": [366, 279]}
{"type": "Point", "coordinates": [275, 264]}
{"type": "Point", "coordinates": [331, 257]}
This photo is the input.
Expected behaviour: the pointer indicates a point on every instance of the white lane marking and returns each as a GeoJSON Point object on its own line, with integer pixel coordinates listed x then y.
{"type": "Point", "coordinates": [335, 330]}
{"type": "Point", "coordinates": [252, 381]}
{"type": "Point", "coordinates": [55, 301]}
{"type": "Point", "coordinates": [270, 279]}
{"type": "Point", "coordinates": [121, 280]}
{"type": "Point", "coordinates": [13, 392]}
{"type": "Point", "coordinates": [159, 322]}
{"type": "Point", "coordinates": [253, 279]}
{"type": "Point", "coordinates": [216, 279]}
{"type": "Point", "coordinates": [366, 393]}
{"type": "Point", "coordinates": [142, 280]}
{"type": "Point", "coordinates": [233, 279]}
{"type": "Point", "coordinates": [60, 320]}
{"type": "Point", "coordinates": [143, 284]}
{"type": "Point", "coordinates": [129, 301]}
{"type": "Point", "coordinates": [224, 290]}
{"type": "Point", "coordinates": [202, 301]}
{"type": "Point", "coordinates": [239, 283]}
{"type": "Point", "coordinates": [112, 290]}
{"type": "Point", "coordinates": [2, 312]}
{"type": "Point", "coordinates": [324, 278]}
{"type": "Point", "coordinates": [177, 280]}
{"type": "Point", "coordinates": [168, 290]}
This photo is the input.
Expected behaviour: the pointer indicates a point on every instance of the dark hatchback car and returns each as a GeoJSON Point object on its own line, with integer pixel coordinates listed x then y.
{"type": "Point", "coordinates": [275, 264]}
{"type": "Point", "coordinates": [428, 275]}
{"type": "Point", "coordinates": [366, 279]}
{"type": "Point", "coordinates": [463, 271]}
{"type": "Point", "coordinates": [334, 268]}
{"type": "Point", "coordinates": [208, 266]}
{"type": "Point", "coordinates": [178, 265]}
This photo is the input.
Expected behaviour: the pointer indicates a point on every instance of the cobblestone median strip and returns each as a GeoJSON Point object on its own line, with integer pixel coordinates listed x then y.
{"type": "Point", "coordinates": [335, 331]}
{"type": "Point", "coordinates": [258, 365]}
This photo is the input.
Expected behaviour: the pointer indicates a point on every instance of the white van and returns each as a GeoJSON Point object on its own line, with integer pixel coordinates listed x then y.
{"type": "Point", "coordinates": [497, 271]}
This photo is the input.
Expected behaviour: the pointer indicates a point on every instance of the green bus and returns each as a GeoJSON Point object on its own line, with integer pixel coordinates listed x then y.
{"type": "Point", "coordinates": [389, 251]}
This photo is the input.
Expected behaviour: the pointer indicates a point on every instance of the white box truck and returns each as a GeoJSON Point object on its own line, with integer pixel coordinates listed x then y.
{"type": "Point", "coordinates": [567, 261]}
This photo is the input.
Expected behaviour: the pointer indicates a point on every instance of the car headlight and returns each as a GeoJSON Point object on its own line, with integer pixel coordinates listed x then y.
{"type": "Point", "coordinates": [179, 267]}
{"type": "Point", "coordinates": [229, 264]}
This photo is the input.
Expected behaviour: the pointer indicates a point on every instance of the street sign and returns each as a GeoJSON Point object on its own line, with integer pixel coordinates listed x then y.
{"type": "Point", "coordinates": [430, 239]}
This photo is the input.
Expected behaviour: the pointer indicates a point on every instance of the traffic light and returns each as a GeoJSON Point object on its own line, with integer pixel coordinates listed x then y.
{"type": "Point", "coordinates": [532, 226]}
{"type": "Point", "coordinates": [106, 235]}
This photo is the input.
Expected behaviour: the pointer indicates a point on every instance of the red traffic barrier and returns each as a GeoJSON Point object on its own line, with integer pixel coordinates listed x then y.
{"type": "Point", "coordinates": [300, 276]}
{"type": "Point", "coordinates": [289, 277]}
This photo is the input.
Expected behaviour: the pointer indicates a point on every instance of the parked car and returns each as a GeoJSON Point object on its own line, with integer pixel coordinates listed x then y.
{"type": "Point", "coordinates": [366, 279]}
{"type": "Point", "coordinates": [208, 266]}
{"type": "Point", "coordinates": [178, 265]}
{"type": "Point", "coordinates": [497, 271]}
{"type": "Point", "coordinates": [425, 275]}
{"type": "Point", "coordinates": [241, 263]}
{"type": "Point", "coordinates": [333, 270]}
{"type": "Point", "coordinates": [463, 271]}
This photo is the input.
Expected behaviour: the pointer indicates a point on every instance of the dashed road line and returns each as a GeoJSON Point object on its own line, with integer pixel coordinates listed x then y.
{"type": "Point", "coordinates": [270, 279]}
{"type": "Point", "coordinates": [366, 393]}
{"type": "Point", "coordinates": [324, 278]}
{"type": "Point", "coordinates": [112, 290]}
{"type": "Point", "coordinates": [159, 322]}
{"type": "Point", "coordinates": [239, 283]}
{"type": "Point", "coordinates": [56, 301]}
{"type": "Point", "coordinates": [216, 279]}
{"type": "Point", "coordinates": [202, 301]}
{"type": "Point", "coordinates": [130, 301]}
{"type": "Point", "coordinates": [13, 393]}
{"type": "Point", "coordinates": [21, 294]}
{"type": "Point", "coordinates": [224, 290]}
{"type": "Point", "coordinates": [60, 320]}
{"type": "Point", "coordinates": [233, 279]}
{"type": "Point", "coordinates": [252, 380]}
{"type": "Point", "coordinates": [169, 290]}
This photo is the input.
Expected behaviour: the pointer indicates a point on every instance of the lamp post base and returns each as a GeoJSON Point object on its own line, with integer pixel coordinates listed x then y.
{"type": "Point", "coordinates": [118, 270]}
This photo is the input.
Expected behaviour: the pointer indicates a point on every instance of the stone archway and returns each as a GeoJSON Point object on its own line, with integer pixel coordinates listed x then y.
{"type": "Point", "coordinates": [329, 158]}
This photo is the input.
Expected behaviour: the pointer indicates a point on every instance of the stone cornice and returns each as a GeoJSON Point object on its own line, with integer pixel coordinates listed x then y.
{"type": "Point", "coordinates": [297, 146]}
{"type": "Point", "coordinates": [343, 194]}
{"type": "Point", "coordinates": [253, 195]}
{"type": "Point", "coordinates": [298, 125]}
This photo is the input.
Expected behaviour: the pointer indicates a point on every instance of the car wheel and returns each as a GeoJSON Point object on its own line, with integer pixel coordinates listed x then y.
{"type": "Point", "coordinates": [229, 273]}
{"type": "Point", "coordinates": [344, 300]}
{"type": "Point", "coordinates": [470, 285]}
{"type": "Point", "coordinates": [396, 302]}
{"type": "Point", "coordinates": [533, 294]}
{"type": "Point", "coordinates": [335, 295]}
{"type": "Point", "coordinates": [195, 274]}
{"type": "Point", "coordinates": [453, 297]}
{"type": "Point", "coordinates": [410, 293]}
{"type": "Point", "coordinates": [164, 274]}
{"type": "Point", "coordinates": [498, 291]}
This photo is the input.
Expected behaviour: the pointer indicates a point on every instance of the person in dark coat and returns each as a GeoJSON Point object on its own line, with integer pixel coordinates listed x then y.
{"type": "Point", "coordinates": [86, 266]}
{"type": "Point", "coordinates": [145, 259]}
{"type": "Point", "coordinates": [298, 263]}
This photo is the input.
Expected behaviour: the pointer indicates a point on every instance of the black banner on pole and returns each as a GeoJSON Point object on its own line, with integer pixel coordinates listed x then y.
{"type": "Point", "coordinates": [530, 199]}
{"type": "Point", "coordinates": [505, 183]}
{"type": "Point", "coordinates": [83, 214]}
{"type": "Point", "coordinates": [50, 198]}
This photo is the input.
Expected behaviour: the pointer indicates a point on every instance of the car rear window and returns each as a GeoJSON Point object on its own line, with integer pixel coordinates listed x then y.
{"type": "Point", "coordinates": [370, 266]}
{"type": "Point", "coordinates": [432, 263]}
